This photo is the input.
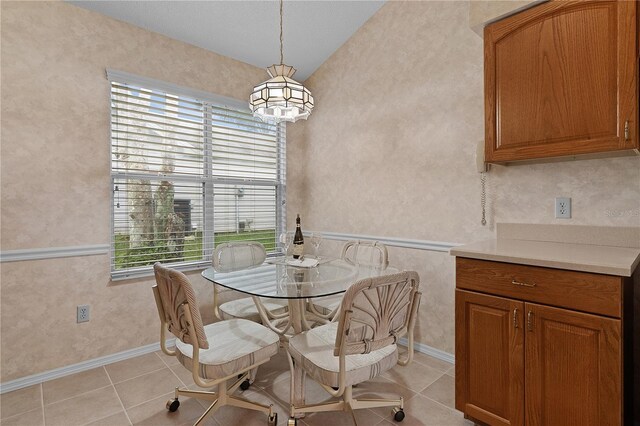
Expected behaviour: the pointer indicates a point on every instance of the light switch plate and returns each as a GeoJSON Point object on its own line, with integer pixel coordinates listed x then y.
{"type": "Point", "coordinates": [563, 208]}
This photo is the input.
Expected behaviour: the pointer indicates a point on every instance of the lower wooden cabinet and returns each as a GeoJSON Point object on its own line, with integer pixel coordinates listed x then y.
{"type": "Point", "coordinates": [573, 365]}
{"type": "Point", "coordinates": [489, 358]}
{"type": "Point", "coordinates": [524, 363]}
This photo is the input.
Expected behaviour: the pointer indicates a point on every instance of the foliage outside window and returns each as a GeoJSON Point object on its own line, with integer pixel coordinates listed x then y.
{"type": "Point", "coordinates": [188, 174]}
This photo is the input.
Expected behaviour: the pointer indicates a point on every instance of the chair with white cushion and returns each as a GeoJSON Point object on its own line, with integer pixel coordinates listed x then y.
{"type": "Point", "coordinates": [367, 253]}
{"type": "Point", "coordinates": [235, 256]}
{"type": "Point", "coordinates": [376, 313]}
{"type": "Point", "coordinates": [215, 353]}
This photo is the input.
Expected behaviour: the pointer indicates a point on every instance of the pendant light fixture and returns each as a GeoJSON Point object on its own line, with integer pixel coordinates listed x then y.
{"type": "Point", "coordinates": [281, 98]}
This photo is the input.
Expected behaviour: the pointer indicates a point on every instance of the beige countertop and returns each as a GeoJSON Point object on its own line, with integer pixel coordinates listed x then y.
{"type": "Point", "coordinates": [600, 259]}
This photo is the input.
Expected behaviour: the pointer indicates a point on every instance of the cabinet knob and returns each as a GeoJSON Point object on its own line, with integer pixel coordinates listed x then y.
{"type": "Point", "coordinates": [515, 318]}
{"type": "Point", "coordinates": [530, 321]}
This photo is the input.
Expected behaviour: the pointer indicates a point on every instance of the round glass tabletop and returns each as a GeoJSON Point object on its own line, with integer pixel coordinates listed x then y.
{"type": "Point", "coordinates": [281, 281]}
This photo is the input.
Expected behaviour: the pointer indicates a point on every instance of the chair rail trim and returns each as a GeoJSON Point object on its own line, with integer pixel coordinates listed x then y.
{"type": "Point", "coordinates": [53, 252]}
{"type": "Point", "coordinates": [100, 249]}
{"type": "Point", "coordinates": [440, 246]}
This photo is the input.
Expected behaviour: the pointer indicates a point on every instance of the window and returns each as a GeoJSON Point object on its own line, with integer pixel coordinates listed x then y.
{"type": "Point", "coordinates": [189, 170]}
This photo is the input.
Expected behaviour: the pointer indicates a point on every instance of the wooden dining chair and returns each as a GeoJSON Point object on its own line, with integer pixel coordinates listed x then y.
{"type": "Point", "coordinates": [376, 313]}
{"type": "Point", "coordinates": [367, 253]}
{"type": "Point", "coordinates": [215, 353]}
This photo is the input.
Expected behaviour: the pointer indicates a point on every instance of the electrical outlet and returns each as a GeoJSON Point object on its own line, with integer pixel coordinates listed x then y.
{"type": "Point", "coordinates": [82, 313]}
{"type": "Point", "coordinates": [563, 208]}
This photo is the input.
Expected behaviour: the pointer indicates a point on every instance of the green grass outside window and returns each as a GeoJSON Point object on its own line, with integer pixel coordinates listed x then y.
{"type": "Point", "coordinates": [126, 257]}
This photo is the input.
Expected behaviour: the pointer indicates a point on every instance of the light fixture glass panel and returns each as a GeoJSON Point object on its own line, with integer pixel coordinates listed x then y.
{"type": "Point", "coordinates": [281, 98]}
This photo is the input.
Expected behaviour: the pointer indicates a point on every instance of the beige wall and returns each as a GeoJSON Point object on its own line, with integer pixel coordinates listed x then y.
{"type": "Point", "coordinates": [389, 151]}
{"type": "Point", "coordinates": [55, 177]}
{"type": "Point", "coordinates": [400, 165]}
{"type": "Point", "coordinates": [482, 12]}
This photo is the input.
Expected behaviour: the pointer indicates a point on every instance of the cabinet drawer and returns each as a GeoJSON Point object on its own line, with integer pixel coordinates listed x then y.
{"type": "Point", "coordinates": [582, 291]}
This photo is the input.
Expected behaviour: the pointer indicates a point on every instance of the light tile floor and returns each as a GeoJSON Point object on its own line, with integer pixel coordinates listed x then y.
{"type": "Point", "coordinates": [134, 392]}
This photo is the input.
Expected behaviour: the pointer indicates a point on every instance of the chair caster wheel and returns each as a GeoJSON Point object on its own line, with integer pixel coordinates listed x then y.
{"type": "Point", "coordinates": [398, 414]}
{"type": "Point", "coordinates": [173, 404]}
{"type": "Point", "coordinates": [292, 422]}
{"type": "Point", "coordinates": [273, 420]}
{"type": "Point", "coordinates": [245, 385]}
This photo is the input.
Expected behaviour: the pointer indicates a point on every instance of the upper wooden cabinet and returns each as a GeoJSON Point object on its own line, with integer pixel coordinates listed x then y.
{"type": "Point", "coordinates": [561, 79]}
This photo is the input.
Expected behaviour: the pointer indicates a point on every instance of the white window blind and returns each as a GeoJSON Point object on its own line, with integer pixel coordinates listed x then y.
{"type": "Point", "coordinates": [188, 173]}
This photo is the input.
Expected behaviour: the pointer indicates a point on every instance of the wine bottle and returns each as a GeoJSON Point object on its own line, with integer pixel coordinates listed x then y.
{"type": "Point", "coordinates": [298, 240]}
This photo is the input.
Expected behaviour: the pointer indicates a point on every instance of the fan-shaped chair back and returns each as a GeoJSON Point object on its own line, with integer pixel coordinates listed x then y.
{"type": "Point", "coordinates": [376, 312]}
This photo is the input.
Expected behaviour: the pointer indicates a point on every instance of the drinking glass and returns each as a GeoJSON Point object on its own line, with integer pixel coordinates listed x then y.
{"type": "Point", "coordinates": [316, 240]}
{"type": "Point", "coordinates": [286, 238]}
{"type": "Point", "coordinates": [282, 272]}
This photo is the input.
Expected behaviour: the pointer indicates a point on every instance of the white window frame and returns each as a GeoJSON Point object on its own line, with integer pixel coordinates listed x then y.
{"type": "Point", "coordinates": [207, 181]}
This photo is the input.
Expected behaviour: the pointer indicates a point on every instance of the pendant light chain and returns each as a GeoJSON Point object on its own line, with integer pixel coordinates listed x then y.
{"type": "Point", "coordinates": [281, 98]}
{"type": "Point", "coordinates": [281, 39]}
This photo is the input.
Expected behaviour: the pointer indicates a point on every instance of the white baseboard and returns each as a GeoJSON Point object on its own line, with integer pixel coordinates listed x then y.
{"type": "Point", "coordinates": [34, 379]}
{"type": "Point", "coordinates": [431, 351]}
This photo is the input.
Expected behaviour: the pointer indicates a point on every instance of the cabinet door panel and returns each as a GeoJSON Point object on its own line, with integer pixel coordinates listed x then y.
{"type": "Point", "coordinates": [489, 358]}
{"type": "Point", "coordinates": [561, 80]}
{"type": "Point", "coordinates": [573, 368]}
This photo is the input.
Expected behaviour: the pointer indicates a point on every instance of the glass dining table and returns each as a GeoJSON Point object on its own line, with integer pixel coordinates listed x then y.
{"type": "Point", "coordinates": [278, 279]}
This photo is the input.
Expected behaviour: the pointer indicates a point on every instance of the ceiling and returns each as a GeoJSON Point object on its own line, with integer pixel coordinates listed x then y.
{"type": "Point", "coordinates": [249, 30]}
